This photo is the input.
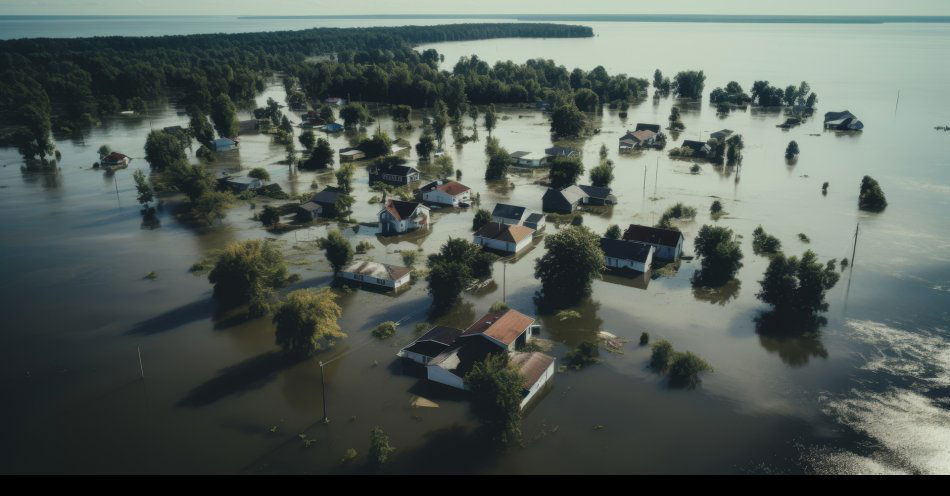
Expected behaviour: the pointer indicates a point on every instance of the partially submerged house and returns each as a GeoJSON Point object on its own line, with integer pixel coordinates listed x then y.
{"type": "Point", "coordinates": [636, 140]}
{"type": "Point", "coordinates": [335, 101]}
{"type": "Point", "coordinates": [648, 127]}
{"type": "Point", "coordinates": [224, 145]}
{"type": "Point", "coordinates": [392, 173]}
{"type": "Point", "coordinates": [495, 332]}
{"type": "Point", "coordinates": [327, 199]}
{"type": "Point", "coordinates": [529, 159]}
{"type": "Point", "coordinates": [563, 201]}
{"type": "Point", "coordinates": [721, 135]}
{"type": "Point", "coordinates": [534, 220]}
{"type": "Point", "coordinates": [310, 210]}
{"type": "Point", "coordinates": [398, 217]}
{"type": "Point", "coordinates": [509, 214]}
{"type": "Point", "coordinates": [115, 160]}
{"type": "Point", "coordinates": [597, 195]}
{"type": "Point", "coordinates": [561, 151]}
{"type": "Point", "coordinates": [399, 146]}
{"type": "Point", "coordinates": [240, 184]}
{"type": "Point", "coordinates": [446, 192]}
{"type": "Point", "coordinates": [624, 254]}
{"type": "Point", "coordinates": [332, 127]}
{"type": "Point", "coordinates": [843, 121]}
{"type": "Point", "coordinates": [698, 149]}
{"type": "Point", "coordinates": [430, 345]}
{"type": "Point", "coordinates": [351, 154]}
{"type": "Point", "coordinates": [377, 274]}
{"type": "Point", "coordinates": [668, 242]}
{"type": "Point", "coordinates": [505, 238]}
{"type": "Point", "coordinates": [249, 126]}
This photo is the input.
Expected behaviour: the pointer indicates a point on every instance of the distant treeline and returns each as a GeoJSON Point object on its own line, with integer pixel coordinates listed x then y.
{"type": "Point", "coordinates": [76, 81]}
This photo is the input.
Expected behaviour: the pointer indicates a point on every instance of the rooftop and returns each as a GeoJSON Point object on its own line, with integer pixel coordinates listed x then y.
{"type": "Point", "coordinates": [377, 270]}
{"type": "Point", "coordinates": [508, 211]}
{"type": "Point", "coordinates": [625, 249]}
{"type": "Point", "coordinates": [511, 233]}
{"type": "Point", "coordinates": [401, 209]}
{"type": "Point", "coordinates": [502, 326]}
{"type": "Point", "coordinates": [652, 235]}
{"type": "Point", "coordinates": [531, 366]}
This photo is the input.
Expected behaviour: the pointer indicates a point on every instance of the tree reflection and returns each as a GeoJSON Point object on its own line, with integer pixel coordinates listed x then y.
{"type": "Point", "coordinates": [718, 295]}
{"type": "Point", "coordinates": [796, 339]}
{"type": "Point", "coordinates": [575, 330]}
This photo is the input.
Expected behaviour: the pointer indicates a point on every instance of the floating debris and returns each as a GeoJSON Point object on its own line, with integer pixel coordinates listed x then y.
{"type": "Point", "coordinates": [611, 342]}
{"type": "Point", "coordinates": [420, 402]}
{"type": "Point", "coordinates": [598, 427]}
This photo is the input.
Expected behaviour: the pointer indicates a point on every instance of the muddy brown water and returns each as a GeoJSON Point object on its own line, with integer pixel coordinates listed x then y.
{"type": "Point", "coordinates": [865, 393]}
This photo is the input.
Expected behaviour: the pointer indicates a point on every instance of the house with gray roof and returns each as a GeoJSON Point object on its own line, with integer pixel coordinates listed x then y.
{"type": "Point", "coordinates": [622, 254]}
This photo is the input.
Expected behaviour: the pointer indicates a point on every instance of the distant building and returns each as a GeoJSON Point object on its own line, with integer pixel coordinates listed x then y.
{"type": "Point", "coordinates": [529, 159]}
{"type": "Point", "coordinates": [623, 254]}
{"type": "Point", "coordinates": [239, 184]}
{"type": "Point", "coordinates": [446, 192]}
{"type": "Point", "coordinates": [509, 214]}
{"type": "Point", "coordinates": [635, 140]}
{"type": "Point", "coordinates": [668, 242]}
{"type": "Point", "coordinates": [248, 126]}
{"type": "Point", "coordinates": [699, 149]}
{"type": "Point", "coordinates": [560, 151]}
{"type": "Point", "coordinates": [506, 238]}
{"type": "Point", "coordinates": [842, 121]}
{"type": "Point", "coordinates": [392, 173]}
{"type": "Point", "coordinates": [327, 199]}
{"type": "Point", "coordinates": [377, 274]}
{"type": "Point", "coordinates": [597, 195]}
{"type": "Point", "coordinates": [398, 217]}
{"type": "Point", "coordinates": [310, 210]}
{"type": "Point", "coordinates": [351, 154]}
{"type": "Point", "coordinates": [115, 160]}
{"type": "Point", "coordinates": [335, 101]}
{"type": "Point", "coordinates": [721, 135]}
{"type": "Point", "coordinates": [332, 127]}
{"type": "Point", "coordinates": [224, 144]}
{"type": "Point", "coordinates": [536, 368]}
{"type": "Point", "coordinates": [648, 127]}
{"type": "Point", "coordinates": [563, 201]}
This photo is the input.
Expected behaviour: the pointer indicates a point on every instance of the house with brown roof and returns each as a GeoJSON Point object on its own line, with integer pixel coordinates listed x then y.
{"type": "Point", "coordinates": [399, 216]}
{"type": "Point", "coordinates": [495, 332]}
{"type": "Point", "coordinates": [115, 160]}
{"type": "Point", "coordinates": [668, 242]}
{"type": "Point", "coordinates": [446, 192]}
{"type": "Point", "coordinates": [635, 140]}
{"type": "Point", "coordinates": [377, 274]}
{"type": "Point", "coordinates": [505, 238]}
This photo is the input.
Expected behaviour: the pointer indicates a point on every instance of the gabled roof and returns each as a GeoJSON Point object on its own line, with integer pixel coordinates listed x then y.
{"type": "Point", "coordinates": [530, 365]}
{"type": "Point", "coordinates": [648, 127]}
{"type": "Point", "coordinates": [115, 157]}
{"type": "Point", "coordinates": [310, 206]}
{"type": "Point", "coordinates": [328, 195]}
{"type": "Point", "coordinates": [641, 135]}
{"type": "Point", "coordinates": [572, 194]}
{"type": "Point", "coordinates": [386, 167]}
{"type": "Point", "coordinates": [722, 133]}
{"type": "Point", "coordinates": [502, 326]}
{"type": "Point", "coordinates": [534, 218]}
{"type": "Point", "coordinates": [560, 151]}
{"type": "Point", "coordinates": [511, 233]}
{"type": "Point", "coordinates": [401, 209]}
{"type": "Point", "coordinates": [837, 116]}
{"type": "Point", "coordinates": [696, 146]}
{"type": "Point", "coordinates": [625, 250]}
{"type": "Point", "coordinates": [652, 235]}
{"type": "Point", "coordinates": [506, 211]}
{"type": "Point", "coordinates": [377, 270]}
{"type": "Point", "coordinates": [596, 191]}
{"type": "Point", "coordinates": [452, 188]}
{"type": "Point", "coordinates": [434, 342]}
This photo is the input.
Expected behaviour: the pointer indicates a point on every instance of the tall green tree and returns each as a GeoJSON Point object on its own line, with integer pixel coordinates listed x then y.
{"type": "Point", "coordinates": [571, 261]}
{"type": "Point", "coordinates": [871, 197]}
{"type": "Point", "coordinates": [321, 156]}
{"type": "Point", "coordinates": [496, 397]}
{"type": "Point", "coordinates": [144, 190]}
{"type": "Point", "coordinates": [164, 150]}
{"type": "Point", "coordinates": [491, 118]}
{"type": "Point", "coordinates": [224, 116]}
{"type": "Point", "coordinates": [307, 321]}
{"type": "Point", "coordinates": [565, 171]}
{"type": "Point", "coordinates": [338, 251]}
{"type": "Point", "coordinates": [796, 287]}
{"type": "Point", "coordinates": [567, 120]}
{"type": "Point", "coordinates": [248, 272]}
{"type": "Point", "coordinates": [721, 255]}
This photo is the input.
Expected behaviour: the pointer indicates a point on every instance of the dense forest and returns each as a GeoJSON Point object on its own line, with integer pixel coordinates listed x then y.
{"type": "Point", "coordinates": [68, 84]}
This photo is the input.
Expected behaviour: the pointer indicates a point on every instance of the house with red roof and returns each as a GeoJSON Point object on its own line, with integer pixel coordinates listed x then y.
{"type": "Point", "coordinates": [398, 217]}
{"type": "Point", "coordinates": [446, 192]}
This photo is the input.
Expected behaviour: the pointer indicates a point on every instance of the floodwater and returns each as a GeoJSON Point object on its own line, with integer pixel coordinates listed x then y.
{"type": "Point", "coordinates": [868, 392]}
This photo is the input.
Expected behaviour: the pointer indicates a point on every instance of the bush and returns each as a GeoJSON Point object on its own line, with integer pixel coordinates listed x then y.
{"type": "Point", "coordinates": [498, 307]}
{"type": "Point", "coordinates": [363, 246]}
{"type": "Point", "coordinates": [307, 321]}
{"type": "Point", "coordinates": [613, 232]}
{"type": "Point", "coordinates": [685, 370]}
{"type": "Point", "coordinates": [661, 355]}
{"type": "Point", "coordinates": [583, 355]}
{"type": "Point", "coordinates": [765, 244]}
{"type": "Point", "coordinates": [871, 197]}
{"type": "Point", "coordinates": [384, 330]}
{"type": "Point", "coordinates": [644, 338]}
{"type": "Point", "coordinates": [379, 447]}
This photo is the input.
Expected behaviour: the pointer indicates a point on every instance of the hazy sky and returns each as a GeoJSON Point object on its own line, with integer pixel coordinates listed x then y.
{"type": "Point", "coordinates": [332, 7]}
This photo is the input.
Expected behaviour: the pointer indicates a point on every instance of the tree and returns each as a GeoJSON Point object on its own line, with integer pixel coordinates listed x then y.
{"type": "Point", "coordinates": [379, 145]}
{"type": "Point", "coordinates": [259, 173]}
{"type": "Point", "coordinates": [602, 175]}
{"type": "Point", "coordinates": [354, 114]}
{"type": "Point", "coordinates": [409, 257]}
{"type": "Point", "coordinates": [199, 126]}
{"type": "Point", "coordinates": [320, 157]}
{"type": "Point", "coordinates": [385, 330]}
{"type": "Point", "coordinates": [721, 255]}
{"type": "Point", "coordinates": [498, 160]}
{"type": "Point", "coordinates": [307, 139]}
{"type": "Point", "coordinates": [764, 243]}
{"type": "Point", "coordinates": [689, 84]}
{"type": "Point", "coordinates": [162, 150]}
{"type": "Point", "coordinates": [871, 197]}
{"type": "Point", "coordinates": [565, 171]}
{"type": "Point", "coordinates": [32, 134]}
{"type": "Point", "coordinates": [402, 113]}
{"type": "Point", "coordinates": [426, 145]}
{"type": "Point", "coordinates": [685, 369]}
{"type": "Point", "coordinates": [307, 321]}
{"type": "Point", "coordinates": [192, 180]}
{"type": "Point", "coordinates": [248, 272]}
{"type": "Point", "coordinates": [344, 178]}
{"type": "Point", "coordinates": [613, 232]}
{"type": "Point", "coordinates": [791, 151]}
{"type": "Point", "coordinates": [796, 288]}
{"type": "Point", "coordinates": [224, 116]}
{"type": "Point", "coordinates": [585, 99]}
{"type": "Point", "coordinates": [584, 354]}
{"type": "Point", "coordinates": [379, 447]}
{"type": "Point", "coordinates": [457, 264]}
{"type": "Point", "coordinates": [715, 208]}
{"type": "Point", "coordinates": [675, 123]}
{"type": "Point", "coordinates": [337, 250]}
{"type": "Point", "coordinates": [270, 216]}
{"type": "Point", "coordinates": [572, 260]}
{"type": "Point", "coordinates": [661, 354]}
{"type": "Point", "coordinates": [144, 190]}
{"type": "Point", "coordinates": [567, 120]}
{"type": "Point", "coordinates": [104, 150]}
{"type": "Point", "coordinates": [491, 118]}
{"type": "Point", "coordinates": [496, 397]}
{"type": "Point", "coordinates": [481, 218]}
{"type": "Point", "coordinates": [440, 120]}
{"type": "Point", "coordinates": [211, 206]}
{"type": "Point", "coordinates": [734, 153]}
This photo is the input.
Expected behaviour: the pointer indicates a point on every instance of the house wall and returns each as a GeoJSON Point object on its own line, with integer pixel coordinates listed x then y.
{"type": "Point", "coordinates": [542, 381]}
{"type": "Point", "coordinates": [505, 246]}
{"type": "Point", "coordinates": [442, 376]}
{"type": "Point", "coordinates": [505, 220]}
{"type": "Point", "coordinates": [368, 279]}
{"type": "Point", "coordinates": [443, 198]}
{"type": "Point", "coordinates": [402, 280]}
{"type": "Point", "coordinates": [620, 263]}
{"type": "Point", "coordinates": [415, 357]}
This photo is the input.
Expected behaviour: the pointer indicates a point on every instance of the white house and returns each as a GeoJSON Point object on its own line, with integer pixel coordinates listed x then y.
{"type": "Point", "coordinates": [509, 214]}
{"type": "Point", "coordinates": [378, 274]}
{"type": "Point", "coordinates": [537, 370]}
{"type": "Point", "coordinates": [351, 154]}
{"type": "Point", "coordinates": [529, 159]}
{"type": "Point", "coordinates": [446, 192]}
{"type": "Point", "coordinates": [401, 216]}
{"type": "Point", "coordinates": [623, 254]}
{"type": "Point", "coordinates": [115, 160]}
{"type": "Point", "coordinates": [506, 238]}
{"type": "Point", "coordinates": [668, 242]}
{"type": "Point", "coordinates": [634, 140]}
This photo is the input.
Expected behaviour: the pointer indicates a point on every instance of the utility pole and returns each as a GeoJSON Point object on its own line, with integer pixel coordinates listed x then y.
{"type": "Point", "coordinates": [141, 368]}
{"type": "Point", "coordinates": [855, 248]}
{"type": "Point", "coordinates": [898, 102]}
{"type": "Point", "coordinates": [116, 182]}
{"type": "Point", "coordinates": [323, 386]}
{"type": "Point", "coordinates": [657, 178]}
{"type": "Point", "coordinates": [504, 281]}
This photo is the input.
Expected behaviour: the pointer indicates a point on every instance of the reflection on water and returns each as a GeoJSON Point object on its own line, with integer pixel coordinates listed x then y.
{"type": "Point", "coordinates": [795, 340]}
{"type": "Point", "coordinates": [718, 295]}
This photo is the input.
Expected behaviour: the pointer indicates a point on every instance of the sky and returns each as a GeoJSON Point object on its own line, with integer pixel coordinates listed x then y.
{"type": "Point", "coordinates": [346, 7]}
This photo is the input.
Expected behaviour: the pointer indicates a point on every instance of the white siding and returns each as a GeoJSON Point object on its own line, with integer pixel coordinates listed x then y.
{"type": "Point", "coordinates": [443, 198]}
{"type": "Point", "coordinates": [504, 246]}
{"type": "Point", "coordinates": [368, 279]}
{"type": "Point", "coordinates": [544, 379]}
{"type": "Point", "coordinates": [442, 376]}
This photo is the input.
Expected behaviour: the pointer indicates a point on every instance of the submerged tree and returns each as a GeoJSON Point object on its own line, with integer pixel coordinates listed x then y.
{"type": "Point", "coordinates": [338, 250]}
{"type": "Point", "coordinates": [689, 84]}
{"type": "Point", "coordinates": [248, 272]}
{"type": "Point", "coordinates": [721, 255]}
{"type": "Point", "coordinates": [791, 151]}
{"type": "Point", "coordinates": [567, 120]}
{"type": "Point", "coordinates": [613, 232]}
{"type": "Point", "coordinates": [491, 118]}
{"type": "Point", "coordinates": [565, 171]}
{"type": "Point", "coordinates": [457, 264]}
{"type": "Point", "coordinates": [144, 190]}
{"type": "Point", "coordinates": [871, 197]}
{"type": "Point", "coordinates": [307, 321]}
{"type": "Point", "coordinates": [163, 150]}
{"type": "Point", "coordinates": [796, 288]}
{"type": "Point", "coordinates": [481, 218]}
{"type": "Point", "coordinates": [379, 447]}
{"type": "Point", "coordinates": [224, 116]}
{"type": "Point", "coordinates": [571, 261]}
{"type": "Point", "coordinates": [602, 175]}
{"type": "Point", "coordinates": [496, 397]}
